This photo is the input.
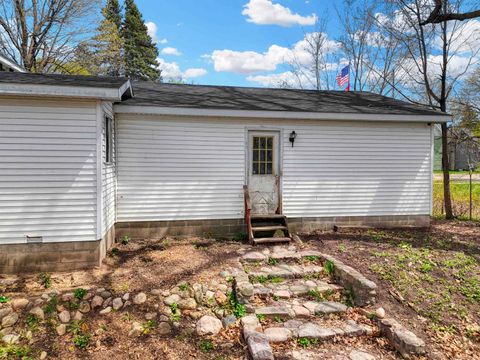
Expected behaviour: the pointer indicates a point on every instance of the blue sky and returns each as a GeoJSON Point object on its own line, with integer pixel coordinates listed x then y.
{"type": "Point", "coordinates": [192, 36]}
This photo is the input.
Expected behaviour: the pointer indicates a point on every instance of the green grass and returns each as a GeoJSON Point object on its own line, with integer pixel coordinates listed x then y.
{"type": "Point", "coordinates": [460, 198]}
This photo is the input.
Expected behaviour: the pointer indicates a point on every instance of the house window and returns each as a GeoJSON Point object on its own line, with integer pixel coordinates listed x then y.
{"type": "Point", "coordinates": [262, 156]}
{"type": "Point", "coordinates": [108, 140]}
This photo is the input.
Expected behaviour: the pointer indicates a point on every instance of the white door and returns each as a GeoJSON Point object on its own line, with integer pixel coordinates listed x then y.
{"type": "Point", "coordinates": [263, 172]}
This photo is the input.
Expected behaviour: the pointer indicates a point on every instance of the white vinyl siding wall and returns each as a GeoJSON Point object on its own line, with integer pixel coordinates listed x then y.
{"type": "Point", "coordinates": [47, 170]}
{"type": "Point", "coordinates": [179, 168]}
{"type": "Point", "coordinates": [109, 179]}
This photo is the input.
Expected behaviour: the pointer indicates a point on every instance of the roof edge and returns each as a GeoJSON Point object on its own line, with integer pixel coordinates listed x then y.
{"type": "Point", "coordinates": [67, 91]}
{"type": "Point", "coordinates": [179, 111]}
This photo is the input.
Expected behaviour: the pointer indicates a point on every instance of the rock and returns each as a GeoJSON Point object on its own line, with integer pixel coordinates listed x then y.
{"type": "Point", "coordinates": [136, 330]}
{"type": "Point", "coordinates": [300, 311]}
{"type": "Point", "coordinates": [254, 256]}
{"type": "Point", "coordinates": [19, 304]}
{"type": "Point", "coordinates": [126, 297]}
{"type": "Point", "coordinates": [105, 294]}
{"type": "Point", "coordinates": [282, 294]}
{"type": "Point", "coordinates": [4, 312]}
{"type": "Point", "coordinates": [278, 334]}
{"type": "Point", "coordinates": [38, 312]}
{"type": "Point", "coordinates": [360, 355]}
{"type": "Point", "coordinates": [11, 339]}
{"type": "Point", "coordinates": [274, 311]}
{"type": "Point", "coordinates": [220, 298]}
{"type": "Point", "coordinates": [61, 329]}
{"type": "Point", "coordinates": [107, 310]}
{"type": "Point", "coordinates": [245, 288]}
{"type": "Point", "coordinates": [107, 302]}
{"type": "Point", "coordinates": [64, 316]}
{"type": "Point", "coordinates": [100, 290]}
{"type": "Point", "coordinates": [172, 299]}
{"type": "Point", "coordinates": [9, 320]}
{"type": "Point", "coordinates": [84, 307]}
{"type": "Point", "coordinates": [140, 298]}
{"type": "Point", "coordinates": [223, 288]}
{"type": "Point", "coordinates": [187, 304]}
{"type": "Point", "coordinates": [150, 316]}
{"type": "Point", "coordinates": [380, 312]}
{"type": "Point", "coordinates": [330, 307]}
{"type": "Point", "coordinates": [195, 315]}
{"type": "Point", "coordinates": [6, 331]}
{"type": "Point", "coordinates": [68, 297]}
{"type": "Point", "coordinates": [156, 292]}
{"type": "Point", "coordinates": [164, 328]}
{"type": "Point", "coordinates": [310, 330]}
{"type": "Point", "coordinates": [97, 301]}
{"type": "Point", "coordinates": [259, 347]}
{"type": "Point", "coordinates": [220, 313]}
{"type": "Point", "coordinates": [117, 303]}
{"type": "Point", "coordinates": [43, 355]}
{"type": "Point", "coordinates": [229, 320]}
{"type": "Point", "coordinates": [197, 292]}
{"type": "Point", "coordinates": [406, 342]}
{"type": "Point", "coordinates": [208, 325]}
{"type": "Point", "coordinates": [78, 316]}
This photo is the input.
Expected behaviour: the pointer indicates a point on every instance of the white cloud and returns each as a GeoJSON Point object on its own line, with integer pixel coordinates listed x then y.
{"type": "Point", "coordinates": [265, 12]}
{"type": "Point", "coordinates": [171, 51]}
{"type": "Point", "coordinates": [465, 38]}
{"type": "Point", "coordinates": [284, 79]}
{"type": "Point", "coordinates": [152, 31]}
{"type": "Point", "coordinates": [172, 71]}
{"type": "Point", "coordinates": [194, 72]}
{"type": "Point", "coordinates": [247, 62]}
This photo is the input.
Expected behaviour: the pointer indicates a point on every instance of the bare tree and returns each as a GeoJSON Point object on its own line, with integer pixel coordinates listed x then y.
{"type": "Point", "coordinates": [438, 14]}
{"type": "Point", "coordinates": [431, 49]}
{"type": "Point", "coordinates": [313, 58]}
{"type": "Point", "coordinates": [41, 34]}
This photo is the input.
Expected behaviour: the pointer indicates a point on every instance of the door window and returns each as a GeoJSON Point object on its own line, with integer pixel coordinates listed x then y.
{"type": "Point", "coordinates": [262, 156]}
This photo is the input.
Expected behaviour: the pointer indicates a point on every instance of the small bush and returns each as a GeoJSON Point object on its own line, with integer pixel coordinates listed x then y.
{"type": "Point", "coordinates": [115, 251]}
{"type": "Point", "coordinates": [51, 305]}
{"type": "Point", "coordinates": [306, 342]}
{"type": "Point", "coordinates": [11, 351]}
{"type": "Point", "coordinates": [32, 322]}
{"type": "Point", "coordinates": [183, 286]}
{"type": "Point", "coordinates": [79, 293]}
{"type": "Point", "coordinates": [312, 257]}
{"type": "Point", "coordinates": [238, 310]}
{"type": "Point", "coordinates": [149, 326]}
{"type": "Point", "coordinates": [272, 261]}
{"type": "Point", "coordinates": [4, 299]}
{"type": "Point", "coordinates": [125, 240]}
{"type": "Point", "coordinates": [45, 280]}
{"type": "Point", "coordinates": [81, 341]}
{"type": "Point", "coordinates": [329, 267]}
{"type": "Point", "coordinates": [206, 346]}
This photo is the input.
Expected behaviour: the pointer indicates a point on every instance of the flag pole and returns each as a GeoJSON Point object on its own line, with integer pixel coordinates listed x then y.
{"type": "Point", "coordinates": [349, 67]}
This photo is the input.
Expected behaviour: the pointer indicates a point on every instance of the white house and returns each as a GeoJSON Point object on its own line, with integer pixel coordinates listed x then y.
{"type": "Point", "coordinates": [85, 160]}
{"type": "Point", "coordinates": [9, 65]}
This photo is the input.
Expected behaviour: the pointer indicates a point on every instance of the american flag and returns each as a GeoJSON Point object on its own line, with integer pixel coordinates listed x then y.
{"type": "Point", "coordinates": [343, 76]}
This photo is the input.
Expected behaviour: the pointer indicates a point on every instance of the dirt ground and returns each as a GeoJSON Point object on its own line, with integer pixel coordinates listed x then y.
{"type": "Point", "coordinates": [428, 279]}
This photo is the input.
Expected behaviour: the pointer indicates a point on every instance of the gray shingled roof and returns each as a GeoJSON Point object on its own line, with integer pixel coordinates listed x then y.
{"type": "Point", "coordinates": [264, 99]}
{"type": "Point", "coordinates": [62, 80]}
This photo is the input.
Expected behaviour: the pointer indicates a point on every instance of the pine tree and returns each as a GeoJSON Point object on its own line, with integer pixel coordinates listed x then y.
{"type": "Point", "coordinates": [140, 51]}
{"type": "Point", "coordinates": [108, 43]}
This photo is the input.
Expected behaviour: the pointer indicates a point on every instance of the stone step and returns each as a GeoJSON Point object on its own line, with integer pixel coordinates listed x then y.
{"type": "Point", "coordinates": [294, 329]}
{"type": "Point", "coordinates": [291, 288]}
{"type": "Point", "coordinates": [267, 240]}
{"type": "Point", "coordinates": [300, 309]}
{"type": "Point", "coordinates": [286, 271]}
{"type": "Point", "coordinates": [279, 253]}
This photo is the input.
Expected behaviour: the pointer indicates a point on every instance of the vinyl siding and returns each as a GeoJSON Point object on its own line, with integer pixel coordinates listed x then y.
{"type": "Point", "coordinates": [180, 168]}
{"type": "Point", "coordinates": [47, 170]}
{"type": "Point", "coordinates": [109, 178]}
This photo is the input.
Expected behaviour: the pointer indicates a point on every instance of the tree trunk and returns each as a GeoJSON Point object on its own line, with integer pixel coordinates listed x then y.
{"type": "Point", "coordinates": [446, 173]}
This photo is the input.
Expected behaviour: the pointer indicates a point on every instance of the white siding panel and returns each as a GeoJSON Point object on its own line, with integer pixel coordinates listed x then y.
{"type": "Point", "coordinates": [47, 170]}
{"type": "Point", "coordinates": [171, 169]}
{"type": "Point", "coordinates": [109, 177]}
{"type": "Point", "coordinates": [182, 168]}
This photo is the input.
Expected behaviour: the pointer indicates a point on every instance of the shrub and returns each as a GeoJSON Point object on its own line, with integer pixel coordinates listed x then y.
{"type": "Point", "coordinates": [45, 280]}
{"type": "Point", "coordinates": [125, 240]}
{"type": "Point", "coordinates": [206, 346]}
{"type": "Point", "coordinates": [79, 293]}
{"type": "Point", "coordinates": [329, 267]}
{"type": "Point", "coordinates": [81, 341]}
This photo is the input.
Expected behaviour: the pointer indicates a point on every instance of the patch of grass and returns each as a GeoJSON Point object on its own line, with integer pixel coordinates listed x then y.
{"type": "Point", "coordinates": [125, 240]}
{"type": "Point", "coordinates": [312, 257]}
{"type": "Point", "coordinates": [342, 248]}
{"type": "Point", "coordinates": [12, 351]}
{"type": "Point", "coordinates": [206, 346]}
{"type": "Point", "coordinates": [240, 236]}
{"type": "Point", "coordinates": [32, 322]}
{"type": "Point", "coordinates": [82, 341]}
{"type": "Point", "coordinates": [262, 279]}
{"type": "Point", "coordinates": [272, 261]}
{"type": "Point", "coordinates": [315, 294]}
{"type": "Point", "coordinates": [348, 296]}
{"type": "Point", "coordinates": [114, 251]}
{"type": "Point", "coordinates": [306, 342]}
{"type": "Point", "coordinates": [238, 310]}
{"type": "Point", "coordinates": [176, 315]}
{"type": "Point", "coordinates": [51, 306]}
{"type": "Point", "coordinates": [4, 299]}
{"type": "Point", "coordinates": [261, 317]}
{"type": "Point", "coordinates": [148, 326]}
{"type": "Point", "coordinates": [329, 267]}
{"type": "Point", "coordinates": [460, 198]}
{"type": "Point", "coordinates": [75, 327]}
{"type": "Point", "coordinates": [183, 286]}
{"type": "Point", "coordinates": [79, 293]}
{"type": "Point", "coordinates": [45, 280]}
{"type": "Point", "coordinates": [376, 235]}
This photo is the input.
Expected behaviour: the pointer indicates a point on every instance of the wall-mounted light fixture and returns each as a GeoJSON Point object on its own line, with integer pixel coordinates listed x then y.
{"type": "Point", "coordinates": [292, 137]}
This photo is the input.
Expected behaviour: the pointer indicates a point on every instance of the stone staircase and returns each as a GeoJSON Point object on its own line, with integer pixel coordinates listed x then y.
{"type": "Point", "coordinates": [292, 298]}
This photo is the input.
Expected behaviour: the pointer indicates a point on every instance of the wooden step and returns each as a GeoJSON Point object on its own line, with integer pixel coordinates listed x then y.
{"type": "Point", "coordinates": [269, 228]}
{"type": "Point", "coordinates": [267, 216]}
{"type": "Point", "coordinates": [271, 240]}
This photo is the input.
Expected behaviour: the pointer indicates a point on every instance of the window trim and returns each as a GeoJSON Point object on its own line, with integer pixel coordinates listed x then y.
{"type": "Point", "coordinates": [109, 140]}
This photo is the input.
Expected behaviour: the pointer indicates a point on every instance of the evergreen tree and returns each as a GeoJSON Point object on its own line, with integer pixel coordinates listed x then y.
{"type": "Point", "coordinates": [112, 13]}
{"type": "Point", "coordinates": [140, 51]}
